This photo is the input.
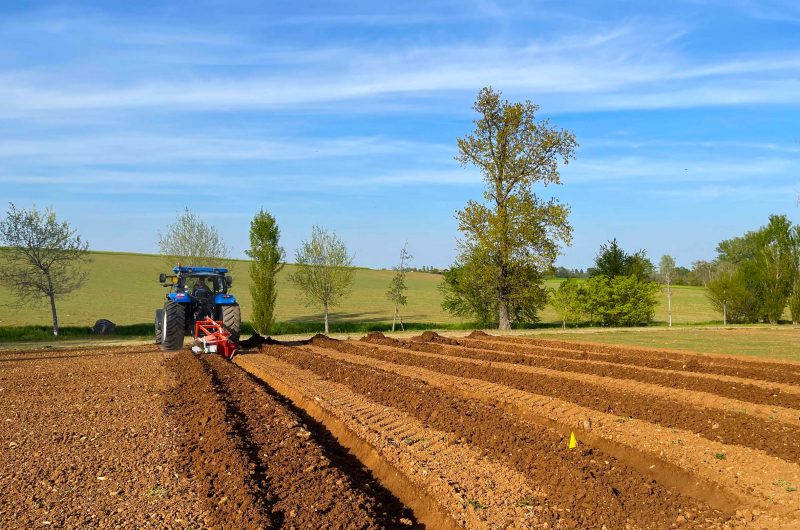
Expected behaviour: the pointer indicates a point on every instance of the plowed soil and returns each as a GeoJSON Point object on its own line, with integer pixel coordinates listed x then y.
{"type": "Point", "coordinates": [430, 432]}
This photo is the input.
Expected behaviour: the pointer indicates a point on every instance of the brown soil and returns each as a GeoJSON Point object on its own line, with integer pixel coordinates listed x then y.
{"type": "Point", "coordinates": [729, 427]}
{"type": "Point", "coordinates": [450, 485]}
{"type": "Point", "coordinates": [738, 388]}
{"type": "Point", "coordinates": [590, 489]}
{"type": "Point", "coordinates": [214, 452]}
{"type": "Point", "coordinates": [468, 433]}
{"type": "Point", "coordinates": [767, 370]}
{"type": "Point", "coordinates": [312, 480]}
{"type": "Point", "coordinates": [678, 459]}
{"type": "Point", "coordinates": [84, 443]}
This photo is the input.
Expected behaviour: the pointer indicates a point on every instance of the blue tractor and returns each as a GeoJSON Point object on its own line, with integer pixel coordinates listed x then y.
{"type": "Point", "coordinates": [196, 293]}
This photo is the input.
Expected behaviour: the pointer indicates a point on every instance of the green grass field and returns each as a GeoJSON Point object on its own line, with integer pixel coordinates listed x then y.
{"type": "Point", "coordinates": [758, 341]}
{"type": "Point", "coordinates": [124, 288]}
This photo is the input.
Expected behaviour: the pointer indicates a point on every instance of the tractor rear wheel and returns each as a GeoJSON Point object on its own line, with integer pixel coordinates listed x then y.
{"type": "Point", "coordinates": [173, 326]}
{"type": "Point", "coordinates": [232, 320]}
{"type": "Point", "coordinates": [159, 322]}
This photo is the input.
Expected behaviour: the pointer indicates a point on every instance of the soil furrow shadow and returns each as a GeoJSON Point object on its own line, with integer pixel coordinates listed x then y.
{"type": "Point", "coordinates": [385, 508]}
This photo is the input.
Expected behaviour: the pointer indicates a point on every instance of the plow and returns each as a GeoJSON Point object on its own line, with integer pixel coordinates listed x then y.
{"type": "Point", "coordinates": [210, 336]}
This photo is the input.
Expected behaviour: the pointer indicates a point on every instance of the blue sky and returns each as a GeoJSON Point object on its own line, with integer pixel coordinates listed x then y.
{"type": "Point", "coordinates": [119, 114]}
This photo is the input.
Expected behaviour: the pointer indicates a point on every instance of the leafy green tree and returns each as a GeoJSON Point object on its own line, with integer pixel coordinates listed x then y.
{"type": "Point", "coordinates": [613, 261]}
{"type": "Point", "coordinates": [794, 301]}
{"type": "Point", "coordinates": [191, 241]}
{"type": "Point", "coordinates": [512, 234]}
{"type": "Point", "coordinates": [397, 288]}
{"type": "Point", "coordinates": [666, 269]}
{"type": "Point", "coordinates": [728, 292]}
{"type": "Point", "coordinates": [702, 272]}
{"type": "Point", "coordinates": [619, 301]}
{"type": "Point", "coordinates": [468, 291]}
{"type": "Point", "coordinates": [776, 264]}
{"type": "Point", "coordinates": [794, 298]}
{"type": "Point", "coordinates": [568, 302]}
{"type": "Point", "coordinates": [267, 261]}
{"type": "Point", "coordinates": [465, 295]}
{"type": "Point", "coordinates": [44, 258]}
{"type": "Point", "coordinates": [610, 261]}
{"type": "Point", "coordinates": [633, 301]}
{"type": "Point", "coordinates": [764, 265]}
{"type": "Point", "coordinates": [324, 272]}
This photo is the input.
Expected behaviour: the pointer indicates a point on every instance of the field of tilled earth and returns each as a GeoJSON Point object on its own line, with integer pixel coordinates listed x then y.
{"type": "Point", "coordinates": [432, 432]}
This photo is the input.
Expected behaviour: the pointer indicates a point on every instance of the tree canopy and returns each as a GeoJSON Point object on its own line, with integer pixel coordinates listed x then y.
{"type": "Point", "coordinates": [191, 241]}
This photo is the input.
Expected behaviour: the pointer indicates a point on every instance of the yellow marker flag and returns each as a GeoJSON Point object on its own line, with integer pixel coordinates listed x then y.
{"type": "Point", "coordinates": [573, 443]}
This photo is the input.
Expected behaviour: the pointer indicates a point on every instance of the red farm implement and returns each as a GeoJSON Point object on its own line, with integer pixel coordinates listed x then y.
{"type": "Point", "coordinates": [211, 337]}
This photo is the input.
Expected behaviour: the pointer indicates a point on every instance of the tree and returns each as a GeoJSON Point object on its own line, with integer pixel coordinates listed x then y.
{"type": "Point", "coordinates": [794, 298]}
{"type": "Point", "coordinates": [619, 301]}
{"type": "Point", "coordinates": [267, 261]}
{"type": "Point", "coordinates": [775, 258]}
{"type": "Point", "coordinates": [729, 294]}
{"type": "Point", "coordinates": [665, 270]}
{"type": "Point", "coordinates": [764, 266]}
{"type": "Point", "coordinates": [464, 294]}
{"type": "Point", "coordinates": [567, 301]}
{"type": "Point", "coordinates": [44, 257]}
{"type": "Point", "coordinates": [397, 288]}
{"type": "Point", "coordinates": [610, 261]}
{"type": "Point", "coordinates": [324, 270]}
{"type": "Point", "coordinates": [613, 261]}
{"type": "Point", "coordinates": [513, 234]}
{"type": "Point", "coordinates": [469, 291]}
{"type": "Point", "coordinates": [190, 241]}
{"type": "Point", "coordinates": [702, 272]}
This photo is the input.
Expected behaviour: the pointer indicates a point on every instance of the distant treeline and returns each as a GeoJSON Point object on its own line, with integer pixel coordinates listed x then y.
{"type": "Point", "coordinates": [698, 275]}
{"type": "Point", "coordinates": [425, 268]}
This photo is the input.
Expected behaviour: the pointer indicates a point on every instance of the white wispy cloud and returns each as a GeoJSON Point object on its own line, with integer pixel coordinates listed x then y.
{"type": "Point", "coordinates": [628, 66]}
{"type": "Point", "coordinates": [148, 149]}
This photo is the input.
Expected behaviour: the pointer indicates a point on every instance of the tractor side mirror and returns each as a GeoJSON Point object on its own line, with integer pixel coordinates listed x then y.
{"type": "Point", "coordinates": [162, 278]}
{"type": "Point", "coordinates": [228, 280]}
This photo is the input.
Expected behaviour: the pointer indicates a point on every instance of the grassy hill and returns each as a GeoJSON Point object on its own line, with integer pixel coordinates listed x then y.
{"type": "Point", "coordinates": [124, 288]}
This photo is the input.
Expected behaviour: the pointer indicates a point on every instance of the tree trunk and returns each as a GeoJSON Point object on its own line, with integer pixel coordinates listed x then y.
{"type": "Point", "coordinates": [52, 305]}
{"type": "Point", "coordinates": [394, 318]}
{"type": "Point", "coordinates": [325, 309]}
{"type": "Point", "coordinates": [503, 317]}
{"type": "Point", "coordinates": [669, 303]}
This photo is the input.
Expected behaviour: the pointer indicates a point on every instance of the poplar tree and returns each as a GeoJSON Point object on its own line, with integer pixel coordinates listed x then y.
{"type": "Point", "coordinates": [267, 261]}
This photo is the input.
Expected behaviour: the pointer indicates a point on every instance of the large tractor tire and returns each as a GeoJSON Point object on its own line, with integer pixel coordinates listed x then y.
{"type": "Point", "coordinates": [232, 320]}
{"type": "Point", "coordinates": [173, 326]}
{"type": "Point", "coordinates": [159, 322]}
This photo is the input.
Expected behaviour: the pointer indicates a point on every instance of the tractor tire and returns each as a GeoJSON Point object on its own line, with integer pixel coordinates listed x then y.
{"type": "Point", "coordinates": [173, 326]}
{"type": "Point", "coordinates": [232, 320]}
{"type": "Point", "coordinates": [159, 323]}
